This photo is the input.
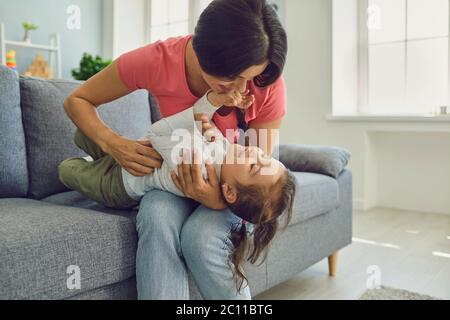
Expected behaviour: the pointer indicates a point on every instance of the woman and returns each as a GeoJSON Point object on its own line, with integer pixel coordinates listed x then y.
{"type": "Point", "coordinates": [238, 45]}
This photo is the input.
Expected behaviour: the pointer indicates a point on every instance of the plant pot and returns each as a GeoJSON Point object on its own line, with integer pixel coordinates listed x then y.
{"type": "Point", "coordinates": [27, 38]}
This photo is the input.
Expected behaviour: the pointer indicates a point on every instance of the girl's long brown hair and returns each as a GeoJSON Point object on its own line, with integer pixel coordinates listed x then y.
{"type": "Point", "coordinates": [263, 208]}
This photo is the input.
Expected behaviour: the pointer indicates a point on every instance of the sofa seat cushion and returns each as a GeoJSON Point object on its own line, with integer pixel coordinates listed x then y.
{"type": "Point", "coordinates": [76, 199]}
{"type": "Point", "coordinates": [256, 274]}
{"type": "Point", "coordinates": [316, 194]}
{"type": "Point", "coordinates": [39, 241]}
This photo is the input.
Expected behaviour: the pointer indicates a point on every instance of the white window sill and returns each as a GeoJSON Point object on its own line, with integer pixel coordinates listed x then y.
{"type": "Point", "coordinates": [388, 118]}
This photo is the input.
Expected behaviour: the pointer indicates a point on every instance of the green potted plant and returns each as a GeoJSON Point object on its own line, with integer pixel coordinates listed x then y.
{"type": "Point", "coordinates": [89, 66]}
{"type": "Point", "coordinates": [27, 26]}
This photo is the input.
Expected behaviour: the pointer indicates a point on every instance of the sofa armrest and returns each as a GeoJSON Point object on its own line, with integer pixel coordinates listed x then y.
{"type": "Point", "coordinates": [325, 160]}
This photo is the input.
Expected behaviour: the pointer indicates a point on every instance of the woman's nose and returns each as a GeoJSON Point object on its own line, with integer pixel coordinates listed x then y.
{"type": "Point", "coordinates": [242, 88]}
{"type": "Point", "coordinates": [240, 85]}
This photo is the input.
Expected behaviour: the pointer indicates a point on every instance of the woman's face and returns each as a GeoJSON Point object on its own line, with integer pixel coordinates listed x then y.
{"type": "Point", "coordinates": [223, 85]}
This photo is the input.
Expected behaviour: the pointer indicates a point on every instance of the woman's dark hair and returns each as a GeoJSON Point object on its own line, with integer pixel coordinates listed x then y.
{"type": "Point", "coordinates": [233, 35]}
{"type": "Point", "coordinates": [263, 208]}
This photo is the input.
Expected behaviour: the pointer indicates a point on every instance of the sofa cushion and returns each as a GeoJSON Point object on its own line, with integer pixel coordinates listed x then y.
{"type": "Point", "coordinates": [39, 241]}
{"type": "Point", "coordinates": [316, 194]}
{"type": "Point", "coordinates": [49, 131]}
{"type": "Point", "coordinates": [76, 199]}
{"type": "Point", "coordinates": [256, 274]}
{"type": "Point", "coordinates": [326, 160]}
{"type": "Point", "coordinates": [13, 158]}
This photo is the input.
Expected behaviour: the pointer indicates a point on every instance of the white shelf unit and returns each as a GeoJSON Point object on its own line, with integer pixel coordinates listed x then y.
{"type": "Point", "coordinates": [54, 49]}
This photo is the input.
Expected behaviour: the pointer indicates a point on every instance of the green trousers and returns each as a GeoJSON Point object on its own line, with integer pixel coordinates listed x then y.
{"type": "Point", "coordinates": [100, 180]}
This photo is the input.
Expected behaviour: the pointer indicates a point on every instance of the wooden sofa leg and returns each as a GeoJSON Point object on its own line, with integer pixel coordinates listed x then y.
{"type": "Point", "coordinates": [332, 263]}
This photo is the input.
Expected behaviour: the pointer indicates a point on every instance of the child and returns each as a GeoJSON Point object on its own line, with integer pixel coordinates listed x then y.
{"type": "Point", "coordinates": [256, 188]}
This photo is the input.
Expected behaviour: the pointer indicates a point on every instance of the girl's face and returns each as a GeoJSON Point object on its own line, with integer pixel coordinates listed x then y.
{"type": "Point", "coordinates": [249, 165]}
{"type": "Point", "coordinates": [223, 85]}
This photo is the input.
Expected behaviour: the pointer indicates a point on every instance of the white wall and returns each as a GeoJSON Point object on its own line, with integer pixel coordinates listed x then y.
{"type": "Point", "coordinates": [51, 16]}
{"type": "Point", "coordinates": [413, 170]}
{"type": "Point", "coordinates": [379, 149]}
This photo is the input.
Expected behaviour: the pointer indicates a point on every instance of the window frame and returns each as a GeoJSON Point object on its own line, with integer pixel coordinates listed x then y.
{"type": "Point", "coordinates": [193, 14]}
{"type": "Point", "coordinates": [360, 68]}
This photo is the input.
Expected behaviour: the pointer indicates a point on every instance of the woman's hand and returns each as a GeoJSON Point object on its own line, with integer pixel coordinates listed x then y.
{"type": "Point", "coordinates": [190, 181]}
{"type": "Point", "coordinates": [136, 157]}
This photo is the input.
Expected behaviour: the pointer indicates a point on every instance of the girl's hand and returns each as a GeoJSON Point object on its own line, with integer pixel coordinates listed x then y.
{"type": "Point", "coordinates": [209, 130]}
{"type": "Point", "coordinates": [205, 123]}
{"type": "Point", "coordinates": [190, 181]}
{"type": "Point", "coordinates": [232, 99]}
{"type": "Point", "coordinates": [136, 157]}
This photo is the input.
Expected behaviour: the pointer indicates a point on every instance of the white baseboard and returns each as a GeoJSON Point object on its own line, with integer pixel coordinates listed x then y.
{"type": "Point", "coordinates": [361, 206]}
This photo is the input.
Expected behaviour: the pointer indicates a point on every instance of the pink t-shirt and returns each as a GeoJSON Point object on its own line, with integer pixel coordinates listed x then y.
{"type": "Point", "coordinates": [160, 68]}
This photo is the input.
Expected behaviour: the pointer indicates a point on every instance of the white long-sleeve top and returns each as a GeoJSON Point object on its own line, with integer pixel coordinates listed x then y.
{"type": "Point", "coordinates": [168, 137]}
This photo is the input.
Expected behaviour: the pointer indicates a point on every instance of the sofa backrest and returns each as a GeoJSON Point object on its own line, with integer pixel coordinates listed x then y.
{"type": "Point", "coordinates": [13, 158]}
{"type": "Point", "coordinates": [47, 131]}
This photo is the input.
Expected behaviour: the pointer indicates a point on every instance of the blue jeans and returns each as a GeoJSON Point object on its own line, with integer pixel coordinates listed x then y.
{"type": "Point", "coordinates": [177, 235]}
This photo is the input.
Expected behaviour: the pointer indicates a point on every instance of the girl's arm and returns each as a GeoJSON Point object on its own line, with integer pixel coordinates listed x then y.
{"type": "Point", "coordinates": [168, 135]}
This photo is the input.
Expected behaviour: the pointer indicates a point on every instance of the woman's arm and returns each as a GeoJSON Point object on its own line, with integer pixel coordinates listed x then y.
{"type": "Point", "coordinates": [138, 158]}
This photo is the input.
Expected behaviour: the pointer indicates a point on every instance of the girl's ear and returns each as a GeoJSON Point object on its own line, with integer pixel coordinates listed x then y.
{"type": "Point", "coordinates": [229, 193]}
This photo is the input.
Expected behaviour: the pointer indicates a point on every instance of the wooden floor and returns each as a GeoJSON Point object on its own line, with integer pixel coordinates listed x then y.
{"type": "Point", "coordinates": [409, 250]}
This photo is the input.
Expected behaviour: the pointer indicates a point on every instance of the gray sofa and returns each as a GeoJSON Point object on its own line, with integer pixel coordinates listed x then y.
{"type": "Point", "coordinates": [45, 228]}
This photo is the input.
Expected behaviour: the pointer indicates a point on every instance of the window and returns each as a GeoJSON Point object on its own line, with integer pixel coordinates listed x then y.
{"type": "Point", "coordinates": [400, 59]}
{"type": "Point", "coordinates": [168, 18]}
{"type": "Point", "coordinates": [172, 18]}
